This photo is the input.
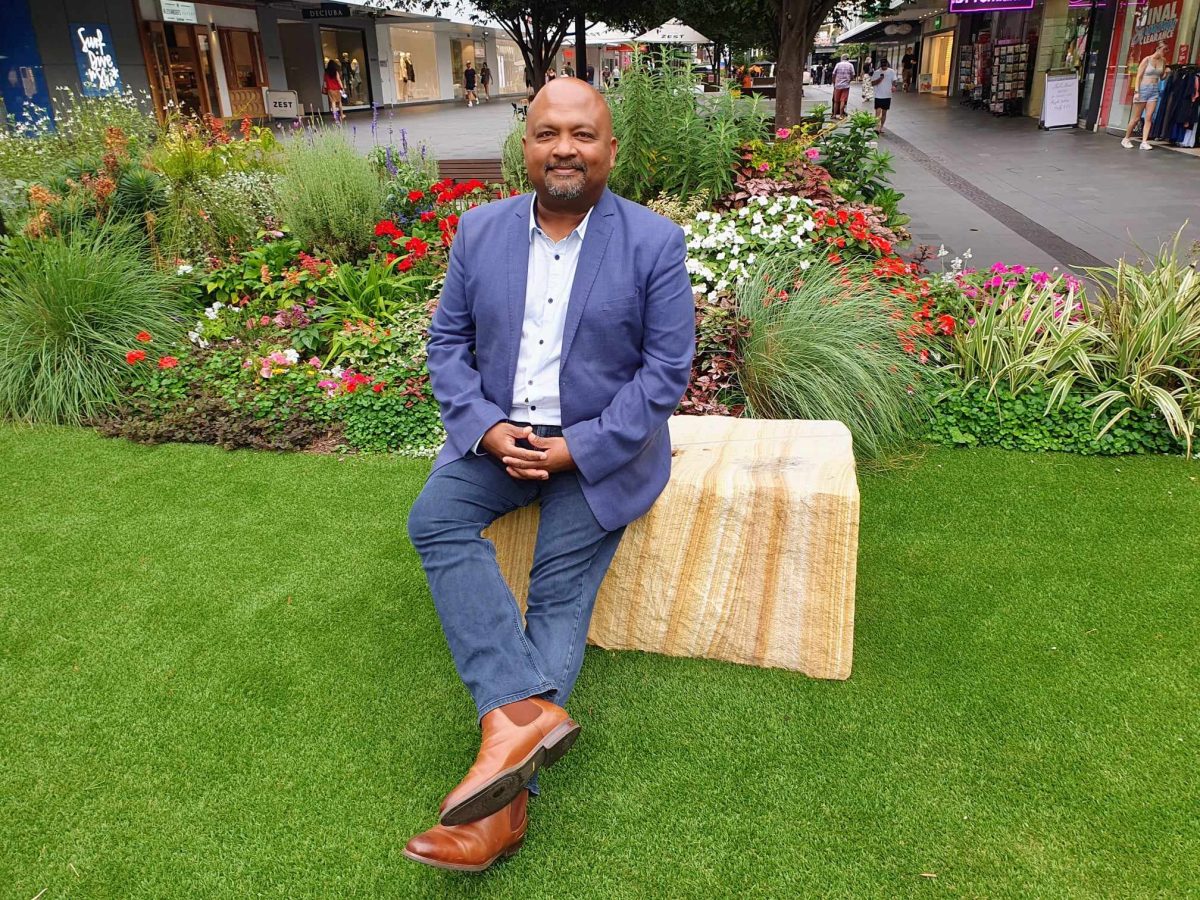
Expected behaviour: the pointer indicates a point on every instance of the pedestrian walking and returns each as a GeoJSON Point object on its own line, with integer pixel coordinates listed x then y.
{"type": "Point", "coordinates": [1145, 99]}
{"type": "Point", "coordinates": [881, 84]}
{"type": "Point", "coordinates": [469, 78]}
{"type": "Point", "coordinates": [333, 87]}
{"type": "Point", "coordinates": [843, 74]}
{"type": "Point", "coordinates": [485, 81]}
{"type": "Point", "coordinates": [908, 68]}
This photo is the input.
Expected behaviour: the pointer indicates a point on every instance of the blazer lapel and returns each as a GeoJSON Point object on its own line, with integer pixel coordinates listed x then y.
{"type": "Point", "coordinates": [518, 277]}
{"type": "Point", "coordinates": [595, 242]}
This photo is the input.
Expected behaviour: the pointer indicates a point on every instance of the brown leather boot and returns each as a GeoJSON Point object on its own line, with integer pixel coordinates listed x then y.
{"type": "Point", "coordinates": [475, 846]}
{"type": "Point", "coordinates": [518, 739]}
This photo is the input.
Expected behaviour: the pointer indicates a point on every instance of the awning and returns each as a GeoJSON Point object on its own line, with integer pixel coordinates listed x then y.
{"type": "Point", "coordinates": [672, 32]}
{"type": "Point", "coordinates": [888, 30]}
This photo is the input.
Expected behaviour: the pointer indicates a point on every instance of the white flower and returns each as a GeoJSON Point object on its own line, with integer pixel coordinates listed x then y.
{"type": "Point", "coordinates": [804, 264]}
{"type": "Point", "coordinates": [185, 269]}
{"type": "Point", "coordinates": [292, 355]}
{"type": "Point", "coordinates": [743, 212]}
{"type": "Point", "coordinates": [193, 337]}
{"type": "Point", "coordinates": [967, 253]}
{"type": "Point", "coordinates": [750, 259]}
{"type": "Point", "coordinates": [336, 372]}
{"type": "Point", "coordinates": [942, 251]}
{"type": "Point", "coordinates": [762, 201]}
{"type": "Point", "coordinates": [721, 256]}
{"type": "Point", "coordinates": [212, 311]}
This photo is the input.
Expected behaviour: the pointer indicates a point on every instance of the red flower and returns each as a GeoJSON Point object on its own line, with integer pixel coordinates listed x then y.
{"type": "Point", "coordinates": [946, 324]}
{"type": "Point", "coordinates": [414, 196]}
{"type": "Point", "coordinates": [835, 258]}
{"type": "Point", "coordinates": [392, 257]}
{"type": "Point", "coordinates": [428, 216]}
{"type": "Point", "coordinates": [143, 336]}
{"type": "Point", "coordinates": [387, 228]}
{"type": "Point", "coordinates": [351, 386]}
{"type": "Point", "coordinates": [404, 265]}
{"type": "Point", "coordinates": [167, 362]}
{"type": "Point", "coordinates": [378, 386]}
{"type": "Point", "coordinates": [416, 247]}
{"type": "Point", "coordinates": [133, 357]}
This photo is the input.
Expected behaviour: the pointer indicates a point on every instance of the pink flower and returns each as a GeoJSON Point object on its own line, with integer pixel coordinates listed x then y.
{"type": "Point", "coordinates": [812, 152]}
{"type": "Point", "coordinates": [1040, 278]}
{"type": "Point", "coordinates": [998, 268]}
{"type": "Point", "coordinates": [764, 167]}
{"type": "Point", "coordinates": [1017, 270]}
{"type": "Point", "coordinates": [315, 362]}
{"type": "Point", "coordinates": [327, 385]}
{"type": "Point", "coordinates": [997, 281]}
{"type": "Point", "coordinates": [782, 133]}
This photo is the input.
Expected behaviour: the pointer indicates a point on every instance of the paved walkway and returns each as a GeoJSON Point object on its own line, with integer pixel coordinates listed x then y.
{"type": "Point", "coordinates": [1011, 192]}
{"type": "Point", "coordinates": [997, 186]}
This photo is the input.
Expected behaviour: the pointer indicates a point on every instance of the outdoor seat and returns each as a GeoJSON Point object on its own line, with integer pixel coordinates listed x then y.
{"type": "Point", "coordinates": [748, 556]}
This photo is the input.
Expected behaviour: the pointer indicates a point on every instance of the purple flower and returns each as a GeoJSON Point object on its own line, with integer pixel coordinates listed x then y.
{"type": "Point", "coordinates": [389, 164]}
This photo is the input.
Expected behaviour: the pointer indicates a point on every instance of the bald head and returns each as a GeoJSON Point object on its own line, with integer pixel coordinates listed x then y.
{"type": "Point", "coordinates": [569, 145]}
{"type": "Point", "coordinates": [570, 93]}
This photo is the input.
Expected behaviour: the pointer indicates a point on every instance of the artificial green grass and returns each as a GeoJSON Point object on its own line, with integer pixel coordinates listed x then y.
{"type": "Point", "coordinates": [221, 676]}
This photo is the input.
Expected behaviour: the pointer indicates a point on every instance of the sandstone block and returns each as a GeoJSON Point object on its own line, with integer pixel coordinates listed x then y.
{"type": "Point", "coordinates": [748, 556]}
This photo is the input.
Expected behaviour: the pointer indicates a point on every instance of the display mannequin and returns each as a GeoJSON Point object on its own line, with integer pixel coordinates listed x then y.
{"type": "Point", "coordinates": [402, 74]}
{"type": "Point", "coordinates": [1145, 95]}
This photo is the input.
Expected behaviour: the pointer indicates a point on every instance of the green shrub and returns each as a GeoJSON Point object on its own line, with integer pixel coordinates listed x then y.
{"type": "Point", "coordinates": [977, 417]}
{"type": "Point", "coordinates": [215, 215]}
{"type": "Point", "coordinates": [671, 138]}
{"type": "Point", "coordinates": [860, 171]}
{"type": "Point", "coordinates": [512, 161]}
{"type": "Point", "coordinates": [390, 420]}
{"type": "Point", "coordinates": [34, 151]}
{"type": "Point", "coordinates": [822, 345]}
{"type": "Point", "coordinates": [70, 309]}
{"type": "Point", "coordinates": [330, 196]}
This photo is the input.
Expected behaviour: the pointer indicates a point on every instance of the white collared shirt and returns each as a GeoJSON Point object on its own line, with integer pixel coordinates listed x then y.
{"type": "Point", "coordinates": [551, 275]}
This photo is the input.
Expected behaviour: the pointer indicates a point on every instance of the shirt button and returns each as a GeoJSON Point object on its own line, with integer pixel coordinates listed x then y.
{"type": "Point", "coordinates": [556, 256]}
{"type": "Point", "coordinates": [551, 300]}
{"type": "Point", "coordinates": [541, 342]}
{"type": "Point", "coordinates": [531, 382]}
{"type": "Point", "coordinates": [533, 407]}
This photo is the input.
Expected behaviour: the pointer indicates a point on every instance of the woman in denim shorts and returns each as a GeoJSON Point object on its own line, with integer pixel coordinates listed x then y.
{"type": "Point", "coordinates": [1145, 95]}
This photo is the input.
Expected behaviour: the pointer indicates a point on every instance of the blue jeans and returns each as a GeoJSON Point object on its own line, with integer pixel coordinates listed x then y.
{"type": "Point", "coordinates": [499, 659]}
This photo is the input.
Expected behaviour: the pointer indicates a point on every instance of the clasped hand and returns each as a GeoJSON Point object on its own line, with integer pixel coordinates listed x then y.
{"type": "Point", "coordinates": [549, 455]}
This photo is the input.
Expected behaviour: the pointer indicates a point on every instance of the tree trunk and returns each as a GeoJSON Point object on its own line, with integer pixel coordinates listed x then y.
{"type": "Point", "coordinates": [580, 45]}
{"type": "Point", "coordinates": [789, 68]}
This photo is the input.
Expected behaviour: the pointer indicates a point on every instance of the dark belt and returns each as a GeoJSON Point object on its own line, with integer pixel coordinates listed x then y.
{"type": "Point", "coordinates": [544, 431]}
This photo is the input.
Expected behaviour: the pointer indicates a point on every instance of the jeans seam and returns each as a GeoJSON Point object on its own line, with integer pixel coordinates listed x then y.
{"type": "Point", "coordinates": [579, 606]}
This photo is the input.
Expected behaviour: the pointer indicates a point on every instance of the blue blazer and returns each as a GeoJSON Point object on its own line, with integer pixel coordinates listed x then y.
{"type": "Point", "coordinates": [627, 346]}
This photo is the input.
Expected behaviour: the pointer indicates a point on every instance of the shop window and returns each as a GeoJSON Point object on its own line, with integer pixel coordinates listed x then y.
{"type": "Point", "coordinates": [510, 64]}
{"type": "Point", "coordinates": [461, 52]}
{"type": "Point", "coordinates": [414, 65]}
{"type": "Point", "coordinates": [350, 50]}
{"type": "Point", "coordinates": [183, 74]}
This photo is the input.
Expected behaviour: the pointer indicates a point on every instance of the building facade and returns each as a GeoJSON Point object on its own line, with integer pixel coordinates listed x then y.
{"type": "Point", "coordinates": [223, 57]}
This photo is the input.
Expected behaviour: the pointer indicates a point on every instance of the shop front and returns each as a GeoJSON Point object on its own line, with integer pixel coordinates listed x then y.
{"type": "Point", "coordinates": [203, 58]}
{"type": "Point", "coordinates": [936, 61]}
{"type": "Point", "coordinates": [414, 64]}
{"type": "Point", "coordinates": [347, 49]}
{"type": "Point", "coordinates": [1138, 31]}
{"type": "Point", "coordinates": [510, 68]}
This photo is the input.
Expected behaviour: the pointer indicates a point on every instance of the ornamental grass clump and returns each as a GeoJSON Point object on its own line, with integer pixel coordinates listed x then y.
{"type": "Point", "coordinates": [330, 195]}
{"type": "Point", "coordinates": [823, 344]}
{"type": "Point", "coordinates": [71, 308]}
{"type": "Point", "coordinates": [1145, 352]}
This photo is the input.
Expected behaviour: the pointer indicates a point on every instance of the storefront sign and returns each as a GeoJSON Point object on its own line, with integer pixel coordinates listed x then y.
{"type": "Point", "coordinates": [937, 23]}
{"type": "Point", "coordinates": [327, 11]}
{"type": "Point", "coordinates": [282, 104]}
{"type": "Point", "coordinates": [98, 71]}
{"type": "Point", "coordinates": [987, 6]}
{"type": "Point", "coordinates": [178, 11]}
{"type": "Point", "coordinates": [1158, 22]}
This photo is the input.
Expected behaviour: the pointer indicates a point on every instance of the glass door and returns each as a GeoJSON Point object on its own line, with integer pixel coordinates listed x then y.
{"type": "Point", "coordinates": [349, 48]}
{"type": "Point", "coordinates": [182, 79]}
{"type": "Point", "coordinates": [244, 72]}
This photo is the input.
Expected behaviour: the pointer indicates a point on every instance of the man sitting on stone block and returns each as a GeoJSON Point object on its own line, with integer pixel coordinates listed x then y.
{"type": "Point", "coordinates": [561, 345]}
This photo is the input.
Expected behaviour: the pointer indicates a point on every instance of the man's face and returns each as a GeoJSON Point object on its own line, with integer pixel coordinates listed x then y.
{"type": "Point", "coordinates": [569, 145]}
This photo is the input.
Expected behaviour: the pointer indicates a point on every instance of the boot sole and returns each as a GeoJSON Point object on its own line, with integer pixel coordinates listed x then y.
{"type": "Point", "coordinates": [465, 867]}
{"type": "Point", "coordinates": [504, 787]}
